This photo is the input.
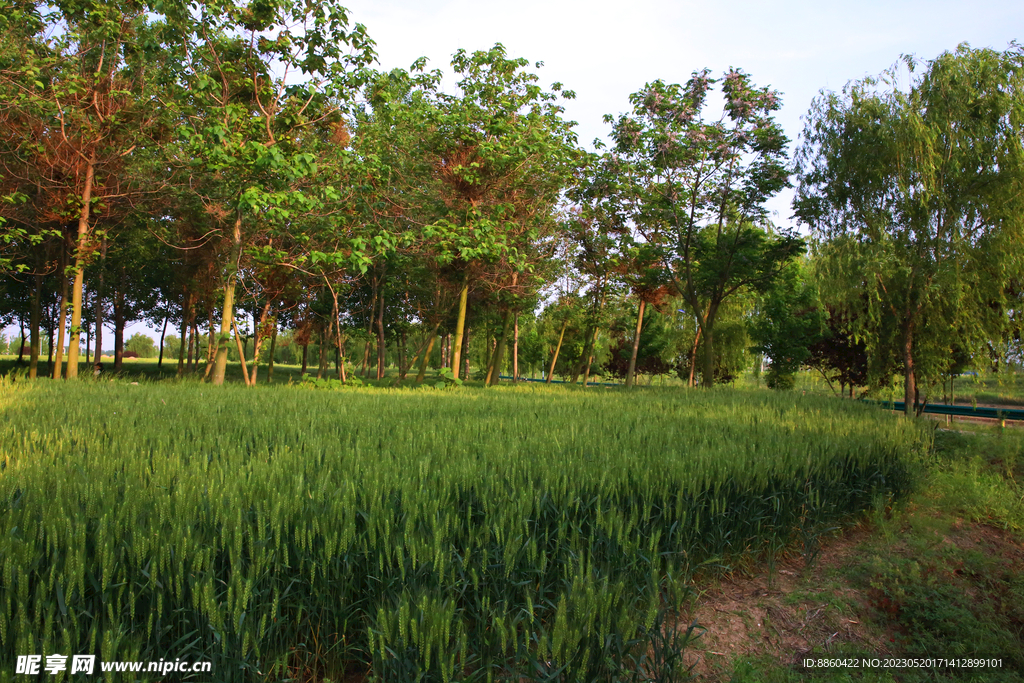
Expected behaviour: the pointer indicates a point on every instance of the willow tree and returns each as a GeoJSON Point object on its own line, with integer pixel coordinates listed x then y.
{"type": "Point", "coordinates": [915, 195]}
{"type": "Point", "coordinates": [695, 185]}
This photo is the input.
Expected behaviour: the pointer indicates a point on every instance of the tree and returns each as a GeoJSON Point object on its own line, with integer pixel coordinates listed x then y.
{"type": "Point", "coordinates": [486, 170]}
{"type": "Point", "coordinates": [608, 251]}
{"type": "Point", "coordinates": [135, 270]}
{"type": "Point", "coordinates": [265, 81]}
{"type": "Point", "coordinates": [646, 354]}
{"type": "Point", "coordinates": [914, 197]}
{"type": "Point", "coordinates": [788, 323]}
{"type": "Point", "coordinates": [695, 189]}
{"type": "Point", "coordinates": [141, 345]}
{"type": "Point", "coordinates": [838, 356]}
{"type": "Point", "coordinates": [82, 98]}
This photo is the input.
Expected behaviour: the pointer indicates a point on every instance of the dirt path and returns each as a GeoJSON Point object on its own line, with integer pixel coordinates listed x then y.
{"type": "Point", "coordinates": [798, 611]}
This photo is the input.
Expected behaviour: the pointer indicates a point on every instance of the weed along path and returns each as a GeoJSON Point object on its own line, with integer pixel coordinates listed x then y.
{"type": "Point", "coordinates": [932, 586]}
{"type": "Point", "coordinates": [520, 533]}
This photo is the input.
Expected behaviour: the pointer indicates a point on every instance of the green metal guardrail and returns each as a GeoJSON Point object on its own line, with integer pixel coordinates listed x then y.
{"type": "Point", "coordinates": [960, 411]}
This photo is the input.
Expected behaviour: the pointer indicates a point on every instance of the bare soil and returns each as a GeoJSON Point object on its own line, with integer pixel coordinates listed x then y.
{"type": "Point", "coordinates": [799, 610]}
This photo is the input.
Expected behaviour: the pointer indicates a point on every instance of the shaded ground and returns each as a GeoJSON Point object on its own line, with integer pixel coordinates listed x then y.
{"type": "Point", "coordinates": [146, 369]}
{"type": "Point", "coordinates": [784, 615]}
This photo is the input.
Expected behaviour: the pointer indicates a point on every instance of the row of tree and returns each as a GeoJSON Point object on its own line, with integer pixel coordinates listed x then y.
{"type": "Point", "coordinates": [550, 342]}
{"type": "Point", "coordinates": [197, 165]}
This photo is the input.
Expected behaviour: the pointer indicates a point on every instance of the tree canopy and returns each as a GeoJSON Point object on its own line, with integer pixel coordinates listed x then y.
{"type": "Point", "coordinates": [237, 169]}
{"type": "Point", "coordinates": [914, 197]}
{"type": "Point", "coordinates": [695, 187]}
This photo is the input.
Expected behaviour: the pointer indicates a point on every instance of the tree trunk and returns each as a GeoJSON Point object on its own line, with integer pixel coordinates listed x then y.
{"type": "Point", "coordinates": [590, 356]}
{"type": "Point", "coordinates": [257, 342]}
{"type": "Point", "coordinates": [211, 343]}
{"type": "Point", "coordinates": [327, 340]}
{"type": "Point", "coordinates": [322, 359]}
{"type": "Point", "coordinates": [994, 358]}
{"type": "Point", "coordinates": [184, 346]}
{"type": "Point", "coordinates": [554, 358]}
{"type": "Point", "coordinates": [636, 343]}
{"type": "Point", "coordinates": [21, 342]}
{"type": "Point", "coordinates": [163, 335]}
{"type": "Point", "coordinates": [241, 354]}
{"type": "Point", "coordinates": [460, 327]}
{"type": "Point", "coordinates": [119, 323]}
{"type": "Point", "coordinates": [909, 374]}
{"type": "Point", "coordinates": [245, 337]}
{"type": "Point", "coordinates": [97, 357]}
{"type": "Point", "coordinates": [228, 313]}
{"type": "Point", "coordinates": [273, 348]}
{"type": "Point", "coordinates": [49, 343]}
{"type": "Point", "coordinates": [489, 343]}
{"type": "Point", "coordinates": [465, 355]}
{"type": "Point", "coordinates": [305, 356]}
{"type": "Point", "coordinates": [211, 347]}
{"type": "Point", "coordinates": [341, 341]}
{"type": "Point", "coordinates": [515, 349]}
{"type": "Point", "coordinates": [381, 346]}
{"type": "Point", "coordinates": [190, 340]}
{"type": "Point", "coordinates": [708, 374]}
{"type": "Point", "coordinates": [35, 320]}
{"type": "Point", "coordinates": [693, 358]}
{"type": "Point", "coordinates": [195, 345]}
{"type": "Point", "coordinates": [184, 341]}
{"type": "Point", "coordinates": [426, 354]}
{"type": "Point", "coordinates": [80, 257]}
{"type": "Point", "coordinates": [588, 348]}
{"type": "Point", "coordinates": [63, 316]}
{"type": "Point", "coordinates": [226, 324]}
{"type": "Point", "coordinates": [490, 346]}
{"type": "Point", "coordinates": [366, 359]}
{"type": "Point", "coordinates": [405, 361]}
{"type": "Point", "coordinates": [499, 351]}
{"type": "Point", "coordinates": [402, 369]}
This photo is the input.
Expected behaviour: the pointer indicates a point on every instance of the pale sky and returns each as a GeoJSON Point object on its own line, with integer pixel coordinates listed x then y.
{"type": "Point", "coordinates": [604, 51]}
